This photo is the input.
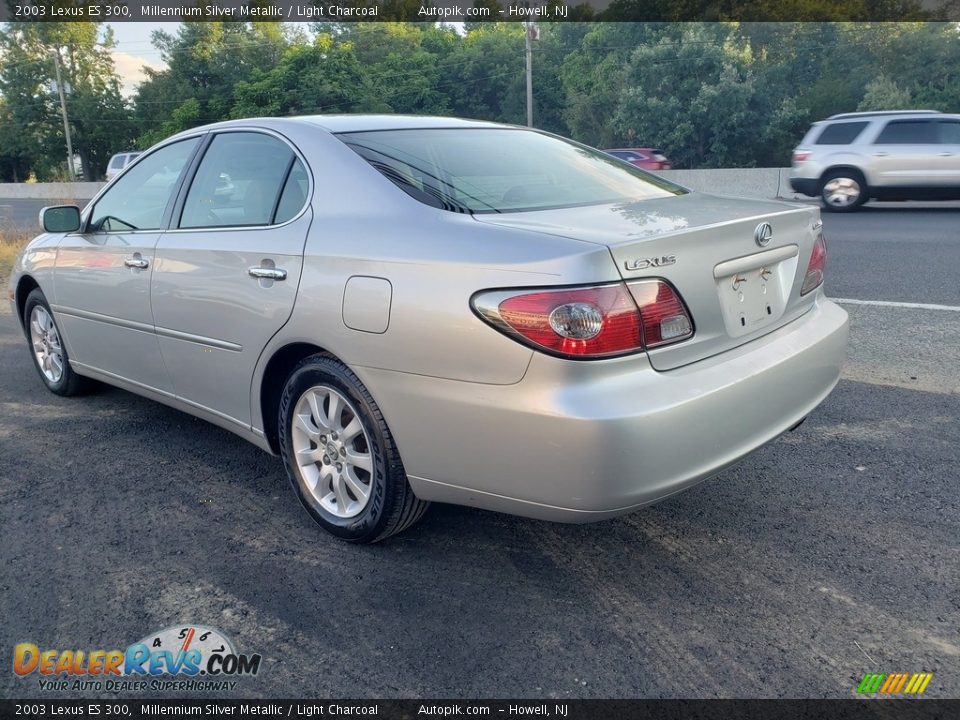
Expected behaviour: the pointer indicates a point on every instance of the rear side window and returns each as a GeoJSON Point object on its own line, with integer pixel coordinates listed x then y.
{"type": "Point", "coordinates": [841, 133]}
{"type": "Point", "coordinates": [950, 132]}
{"type": "Point", "coordinates": [117, 162]}
{"type": "Point", "coordinates": [294, 193]}
{"type": "Point", "coordinates": [238, 182]}
{"type": "Point", "coordinates": [908, 132]}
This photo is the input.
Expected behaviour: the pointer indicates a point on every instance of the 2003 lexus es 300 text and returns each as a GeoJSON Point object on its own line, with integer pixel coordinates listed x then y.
{"type": "Point", "coordinates": [414, 309]}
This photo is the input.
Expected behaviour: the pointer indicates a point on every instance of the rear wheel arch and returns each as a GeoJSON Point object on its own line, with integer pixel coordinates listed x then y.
{"type": "Point", "coordinates": [857, 172]}
{"type": "Point", "coordinates": [275, 375]}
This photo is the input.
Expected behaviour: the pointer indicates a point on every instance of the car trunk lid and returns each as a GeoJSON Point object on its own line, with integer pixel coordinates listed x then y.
{"type": "Point", "coordinates": [709, 248]}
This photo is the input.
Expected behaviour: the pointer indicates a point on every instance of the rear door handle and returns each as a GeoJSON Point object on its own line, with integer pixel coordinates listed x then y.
{"type": "Point", "coordinates": [879, 154]}
{"type": "Point", "coordinates": [137, 262]}
{"type": "Point", "coordinates": [266, 273]}
{"type": "Point", "coordinates": [945, 154]}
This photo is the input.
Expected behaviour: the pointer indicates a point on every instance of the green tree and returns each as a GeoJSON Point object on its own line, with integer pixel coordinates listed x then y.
{"type": "Point", "coordinates": [696, 97]}
{"type": "Point", "coordinates": [99, 117]}
{"type": "Point", "coordinates": [882, 93]}
{"type": "Point", "coordinates": [205, 62]}
{"type": "Point", "coordinates": [484, 76]}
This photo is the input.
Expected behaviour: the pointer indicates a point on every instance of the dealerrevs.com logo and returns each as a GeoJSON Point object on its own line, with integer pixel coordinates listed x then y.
{"type": "Point", "coordinates": [187, 657]}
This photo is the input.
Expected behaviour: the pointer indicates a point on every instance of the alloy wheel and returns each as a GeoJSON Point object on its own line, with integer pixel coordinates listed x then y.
{"type": "Point", "coordinates": [47, 350]}
{"type": "Point", "coordinates": [841, 192]}
{"type": "Point", "coordinates": [332, 451]}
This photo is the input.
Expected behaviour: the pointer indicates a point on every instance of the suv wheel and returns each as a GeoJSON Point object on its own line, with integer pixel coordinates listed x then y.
{"type": "Point", "coordinates": [843, 190]}
{"type": "Point", "coordinates": [340, 455]}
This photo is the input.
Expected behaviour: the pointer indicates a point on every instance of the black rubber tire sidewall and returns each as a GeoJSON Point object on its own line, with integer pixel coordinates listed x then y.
{"type": "Point", "coordinates": [69, 383]}
{"type": "Point", "coordinates": [373, 521]}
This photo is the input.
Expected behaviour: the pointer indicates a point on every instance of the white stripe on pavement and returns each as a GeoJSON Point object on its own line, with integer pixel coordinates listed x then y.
{"type": "Point", "coordinates": [887, 303]}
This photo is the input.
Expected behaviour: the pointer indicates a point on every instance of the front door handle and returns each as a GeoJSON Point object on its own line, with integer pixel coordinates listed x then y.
{"type": "Point", "coordinates": [268, 273]}
{"type": "Point", "coordinates": [879, 154]}
{"type": "Point", "coordinates": [945, 154]}
{"type": "Point", "coordinates": [137, 262]}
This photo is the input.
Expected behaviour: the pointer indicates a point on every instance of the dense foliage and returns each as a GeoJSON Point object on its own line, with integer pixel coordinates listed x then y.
{"type": "Point", "coordinates": [709, 94]}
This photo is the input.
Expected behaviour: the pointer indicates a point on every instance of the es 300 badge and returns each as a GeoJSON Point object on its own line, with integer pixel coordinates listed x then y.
{"type": "Point", "coordinates": [173, 659]}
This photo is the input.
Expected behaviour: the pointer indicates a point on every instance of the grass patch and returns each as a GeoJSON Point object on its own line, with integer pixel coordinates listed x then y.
{"type": "Point", "coordinates": [12, 239]}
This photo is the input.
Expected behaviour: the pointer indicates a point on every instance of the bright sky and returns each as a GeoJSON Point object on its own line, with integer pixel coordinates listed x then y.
{"type": "Point", "coordinates": [134, 50]}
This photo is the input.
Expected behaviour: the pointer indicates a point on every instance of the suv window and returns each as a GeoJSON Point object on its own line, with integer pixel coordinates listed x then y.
{"type": "Point", "coordinates": [117, 162]}
{"type": "Point", "coordinates": [138, 199]}
{"type": "Point", "coordinates": [950, 132]}
{"type": "Point", "coordinates": [908, 132]}
{"type": "Point", "coordinates": [841, 133]}
{"type": "Point", "coordinates": [238, 182]}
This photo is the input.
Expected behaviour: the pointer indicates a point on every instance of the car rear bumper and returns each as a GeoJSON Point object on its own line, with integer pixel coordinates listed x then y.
{"type": "Point", "coordinates": [805, 186]}
{"type": "Point", "coordinates": [582, 441]}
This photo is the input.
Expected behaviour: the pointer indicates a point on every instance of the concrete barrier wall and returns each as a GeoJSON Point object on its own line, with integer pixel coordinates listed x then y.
{"type": "Point", "coordinates": [745, 182]}
{"type": "Point", "coordinates": [52, 191]}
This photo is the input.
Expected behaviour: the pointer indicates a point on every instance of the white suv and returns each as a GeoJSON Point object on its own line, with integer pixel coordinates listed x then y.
{"type": "Point", "coordinates": [892, 155]}
{"type": "Point", "coordinates": [118, 162]}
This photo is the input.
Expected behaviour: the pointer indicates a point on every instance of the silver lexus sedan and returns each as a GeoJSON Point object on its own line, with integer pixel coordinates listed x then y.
{"type": "Point", "coordinates": [413, 309]}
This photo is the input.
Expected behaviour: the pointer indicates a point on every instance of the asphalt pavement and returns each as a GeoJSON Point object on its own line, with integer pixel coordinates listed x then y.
{"type": "Point", "coordinates": [831, 552]}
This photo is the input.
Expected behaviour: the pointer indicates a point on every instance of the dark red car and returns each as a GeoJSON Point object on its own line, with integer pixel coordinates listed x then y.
{"type": "Point", "coordinates": [646, 158]}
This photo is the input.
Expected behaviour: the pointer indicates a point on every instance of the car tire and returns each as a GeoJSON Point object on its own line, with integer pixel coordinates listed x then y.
{"type": "Point", "coordinates": [340, 455]}
{"type": "Point", "coordinates": [49, 353]}
{"type": "Point", "coordinates": [843, 190]}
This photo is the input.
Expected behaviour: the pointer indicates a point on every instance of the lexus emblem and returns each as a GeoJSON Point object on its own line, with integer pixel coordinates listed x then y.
{"type": "Point", "coordinates": [763, 234]}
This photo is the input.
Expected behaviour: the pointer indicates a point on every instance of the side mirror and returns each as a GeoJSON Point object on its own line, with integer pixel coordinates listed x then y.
{"type": "Point", "coordinates": [60, 218]}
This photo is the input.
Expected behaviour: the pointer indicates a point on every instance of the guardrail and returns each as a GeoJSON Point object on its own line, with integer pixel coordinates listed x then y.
{"type": "Point", "coordinates": [744, 182]}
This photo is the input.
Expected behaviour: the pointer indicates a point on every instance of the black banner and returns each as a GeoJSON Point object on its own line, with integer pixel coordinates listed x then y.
{"type": "Point", "coordinates": [886, 709]}
{"type": "Point", "coordinates": [474, 10]}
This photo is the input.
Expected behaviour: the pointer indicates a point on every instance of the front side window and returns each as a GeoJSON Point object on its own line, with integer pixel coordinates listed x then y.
{"type": "Point", "coordinates": [138, 199]}
{"type": "Point", "coordinates": [239, 182]}
{"type": "Point", "coordinates": [841, 133]}
{"type": "Point", "coordinates": [908, 132]}
{"type": "Point", "coordinates": [480, 170]}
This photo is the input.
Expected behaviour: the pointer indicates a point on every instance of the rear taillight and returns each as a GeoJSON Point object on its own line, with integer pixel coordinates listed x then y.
{"type": "Point", "coordinates": [664, 317]}
{"type": "Point", "coordinates": [800, 155]}
{"type": "Point", "coordinates": [816, 266]}
{"type": "Point", "coordinates": [589, 322]}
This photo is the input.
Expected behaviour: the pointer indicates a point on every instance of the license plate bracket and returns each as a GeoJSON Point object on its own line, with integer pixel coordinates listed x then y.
{"type": "Point", "coordinates": [755, 294]}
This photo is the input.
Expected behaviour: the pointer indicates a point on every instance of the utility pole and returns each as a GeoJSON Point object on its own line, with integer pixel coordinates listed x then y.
{"type": "Point", "coordinates": [530, 29]}
{"type": "Point", "coordinates": [63, 111]}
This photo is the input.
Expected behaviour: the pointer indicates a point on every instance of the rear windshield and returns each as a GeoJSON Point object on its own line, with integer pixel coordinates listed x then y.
{"type": "Point", "coordinates": [841, 133]}
{"type": "Point", "coordinates": [496, 170]}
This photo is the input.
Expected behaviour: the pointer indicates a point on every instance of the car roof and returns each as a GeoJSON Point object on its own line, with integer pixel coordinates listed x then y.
{"type": "Point", "coordinates": [933, 114]}
{"type": "Point", "coordinates": [360, 123]}
{"type": "Point", "coordinates": [630, 149]}
{"type": "Point", "coordinates": [353, 123]}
